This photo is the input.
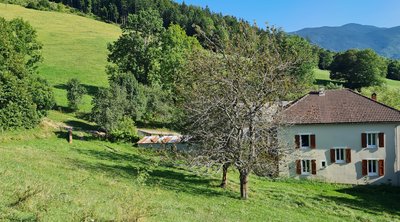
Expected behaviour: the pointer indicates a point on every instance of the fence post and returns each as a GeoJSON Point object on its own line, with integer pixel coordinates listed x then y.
{"type": "Point", "coordinates": [70, 135]}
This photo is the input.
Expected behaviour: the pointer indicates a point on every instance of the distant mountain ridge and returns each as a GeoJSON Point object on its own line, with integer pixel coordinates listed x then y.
{"type": "Point", "coordinates": [385, 41]}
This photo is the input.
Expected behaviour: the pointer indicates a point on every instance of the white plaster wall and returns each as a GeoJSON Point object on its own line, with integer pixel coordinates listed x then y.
{"type": "Point", "coordinates": [346, 135]}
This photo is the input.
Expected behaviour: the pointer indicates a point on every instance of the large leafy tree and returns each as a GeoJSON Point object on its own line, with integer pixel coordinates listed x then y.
{"type": "Point", "coordinates": [24, 97]}
{"type": "Point", "coordinates": [232, 99]}
{"type": "Point", "coordinates": [138, 49]}
{"type": "Point", "coordinates": [393, 71]}
{"type": "Point", "coordinates": [303, 72]}
{"type": "Point", "coordinates": [146, 61]}
{"type": "Point", "coordinates": [176, 47]}
{"type": "Point", "coordinates": [325, 59]}
{"type": "Point", "coordinates": [358, 68]}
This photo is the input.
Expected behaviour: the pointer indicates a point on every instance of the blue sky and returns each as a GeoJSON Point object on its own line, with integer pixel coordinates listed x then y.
{"type": "Point", "coordinates": [293, 15]}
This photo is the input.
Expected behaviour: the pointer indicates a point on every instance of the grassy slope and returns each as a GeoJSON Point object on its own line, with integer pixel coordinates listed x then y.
{"type": "Point", "coordinates": [104, 181]}
{"type": "Point", "coordinates": [73, 47]}
{"type": "Point", "coordinates": [322, 77]}
{"type": "Point", "coordinates": [44, 177]}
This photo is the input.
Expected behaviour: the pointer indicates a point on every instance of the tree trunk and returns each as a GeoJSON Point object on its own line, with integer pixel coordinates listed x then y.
{"type": "Point", "coordinates": [224, 175]}
{"type": "Point", "coordinates": [243, 184]}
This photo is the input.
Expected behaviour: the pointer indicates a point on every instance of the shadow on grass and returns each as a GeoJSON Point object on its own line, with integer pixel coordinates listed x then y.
{"type": "Point", "coordinates": [81, 125]}
{"type": "Point", "coordinates": [63, 109]}
{"type": "Point", "coordinates": [132, 167]}
{"type": "Point", "coordinates": [90, 90]}
{"type": "Point", "coordinates": [324, 82]}
{"type": "Point", "coordinates": [374, 199]}
{"type": "Point", "coordinates": [64, 135]}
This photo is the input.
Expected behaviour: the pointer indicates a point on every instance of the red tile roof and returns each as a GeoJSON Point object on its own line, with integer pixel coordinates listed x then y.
{"type": "Point", "coordinates": [338, 106]}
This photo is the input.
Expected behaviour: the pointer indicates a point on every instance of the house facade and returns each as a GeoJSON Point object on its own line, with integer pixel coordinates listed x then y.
{"type": "Point", "coordinates": [341, 136]}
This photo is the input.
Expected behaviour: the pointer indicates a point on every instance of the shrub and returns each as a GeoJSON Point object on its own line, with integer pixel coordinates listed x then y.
{"type": "Point", "coordinates": [75, 92]}
{"type": "Point", "coordinates": [124, 130]}
{"type": "Point", "coordinates": [39, 5]}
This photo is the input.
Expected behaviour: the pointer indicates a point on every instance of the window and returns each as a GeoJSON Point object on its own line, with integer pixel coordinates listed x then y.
{"type": "Point", "coordinates": [372, 168]}
{"type": "Point", "coordinates": [339, 155]}
{"type": "Point", "coordinates": [305, 141]}
{"type": "Point", "coordinates": [305, 167]}
{"type": "Point", "coordinates": [371, 140]}
{"type": "Point", "coordinates": [323, 164]}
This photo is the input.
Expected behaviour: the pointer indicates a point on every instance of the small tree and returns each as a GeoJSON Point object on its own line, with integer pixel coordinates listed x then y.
{"type": "Point", "coordinates": [394, 70]}
{"type": "Point", "coordinates": [111, 110]}
{"type": "Point", "coordinates": [325, 59]}
{"type": "Point", "coordinates": [75, 92]}
{"type": "Point", "coordinates": [232, 100]}
{"type": "Point", "coordinates": [358, 68]}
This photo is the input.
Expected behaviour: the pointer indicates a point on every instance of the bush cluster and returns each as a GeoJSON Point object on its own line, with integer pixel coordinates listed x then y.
{"type": "Point", "coordinates": [24, 97]}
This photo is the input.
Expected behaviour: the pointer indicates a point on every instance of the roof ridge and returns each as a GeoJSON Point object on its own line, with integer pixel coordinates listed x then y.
{"type": "Point", "coordinates": [339, 106]}
{"type": "Point", "coordinates": [307, 94]}
{"type": "Point", "coordinates": [376, 101]}
{"type": "Point", "coordinates": [296, 101]}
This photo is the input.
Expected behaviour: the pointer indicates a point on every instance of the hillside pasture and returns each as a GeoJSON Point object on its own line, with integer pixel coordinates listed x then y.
{"type": "Point", "coordinates": [43, 178]}
{"type": "Point", "coordinates": [322, 78]}
{"type": "Point", "coordinates": [73, 47]}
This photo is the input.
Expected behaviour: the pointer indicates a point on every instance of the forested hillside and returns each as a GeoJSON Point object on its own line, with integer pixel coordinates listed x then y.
{"type": "Point", "coordinates": [184, 15]}
{"type": "Point", "coordinates": [384, 41]}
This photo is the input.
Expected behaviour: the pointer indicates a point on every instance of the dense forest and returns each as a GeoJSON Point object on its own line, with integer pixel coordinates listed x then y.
{"type": "Point", "coordinates": [117, 11]}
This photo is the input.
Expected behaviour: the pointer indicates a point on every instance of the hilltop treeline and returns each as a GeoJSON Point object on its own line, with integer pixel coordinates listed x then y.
{"type": "Point", "coordinates": [117, 11]}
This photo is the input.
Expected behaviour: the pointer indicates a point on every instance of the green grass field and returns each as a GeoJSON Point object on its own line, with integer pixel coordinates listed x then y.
{"type": "Point", "coordinates": [43, 178]}
{"type": "Point", "coordinates": [322, 78]}
{"type": "Point", "coordinates": [73, 47]}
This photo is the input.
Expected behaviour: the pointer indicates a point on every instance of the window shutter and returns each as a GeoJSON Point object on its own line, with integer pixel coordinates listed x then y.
{"type": "Point", "coordinates": [298, 167]}
{"type": "Point", "coordinates": [313, 167]}
{"type": "Point", "coordinates": [364, 167]}
{"type": "Point", "coordinates": [297, 141]}
{"type": "Point", "coordinates": [333, 159]}
{"type": "Point", "coordinates": [312, 138]}
{"type": "Point", "coordinates": [363, 140]}
{"type": "Point", "coordinates": [381, 164]}
{"type": "Point", "coordinates": [381, 138]}
{"type": "Point", "coordinates": [348, 155]}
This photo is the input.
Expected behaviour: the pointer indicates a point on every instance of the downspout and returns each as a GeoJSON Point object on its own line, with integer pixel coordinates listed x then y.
{"type": "Point", "coordinates": [397, 152]}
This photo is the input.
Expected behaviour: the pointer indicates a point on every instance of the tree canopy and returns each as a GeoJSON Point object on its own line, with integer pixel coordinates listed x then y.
{"type": "Point", "coordinates": [393, 71]}
{"type": "Point", "coordinates": [325, 59]}
{"type": "Point", "coordinates": [24, 97]}
{"type": "Point", "coordinates": [145, 63]}
{"type": "Point", "coordinates": [232, 96]}
{"type": "Point", "coordinates": [358, 68]}
{"type": "Point", "coordinates": [171, 12]}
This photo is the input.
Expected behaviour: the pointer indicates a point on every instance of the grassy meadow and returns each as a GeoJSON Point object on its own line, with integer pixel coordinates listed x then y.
{"type": "Point", "coordinates": [322, 78]}
{"type": "Point", "coordinates": [73, 47]}
{"type": "Point", "coordinates": [43, 178]}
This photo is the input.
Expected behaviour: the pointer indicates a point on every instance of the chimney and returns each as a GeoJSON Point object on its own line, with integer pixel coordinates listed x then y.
{"type": "Point", "coordinates": [373, 96]}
